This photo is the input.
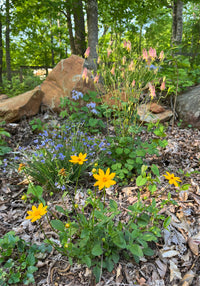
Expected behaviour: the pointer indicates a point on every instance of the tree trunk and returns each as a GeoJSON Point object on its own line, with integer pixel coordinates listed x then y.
{"type": "Point", "coordinates": [177, 22]}
{"type": "Point", "coordinates": [9, 76]}
{"type": "Point", "coordinates": [52, 47]}
{"type": "Point", "coordinates": [79, 23]}
{"type": "Point", "coordinates": [92, 21]}
{"type": "Point", "coordinates": [70, 29]}
{"type": "Point", "coordinates": [1, 51]}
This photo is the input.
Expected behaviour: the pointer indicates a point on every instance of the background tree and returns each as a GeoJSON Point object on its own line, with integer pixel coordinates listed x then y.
{"type": "Point", "coordinates": [8, 60]}
{"type": "Point", "coordinates": [1, 48]}
{"type": "Point", "coordinates": [92, 23]}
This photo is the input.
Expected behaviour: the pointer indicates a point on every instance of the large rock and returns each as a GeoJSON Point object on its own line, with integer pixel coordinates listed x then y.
{"type": "Point", "coordinates": [28, 104]}
{"type": "Point", "coordinates": [188, 107]}
{"type": "Point", "coordinates": [65, 77]}
{"type": "Point", "coordinates": [149, 113]}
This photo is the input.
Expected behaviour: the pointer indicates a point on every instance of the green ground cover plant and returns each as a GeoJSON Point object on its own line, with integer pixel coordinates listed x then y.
{"type": "Point", "coordinates": [18, 260]}
{"type": "Point", "coordinates": [4, 149]}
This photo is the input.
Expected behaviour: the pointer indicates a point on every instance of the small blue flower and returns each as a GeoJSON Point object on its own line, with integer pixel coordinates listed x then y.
{"type": "Point", "coordinates": [42, 161]}
{"type": "Point", "coordinates": [91, 105]}
{"type": "Point", "coordinates": [76, 94]}
{"type": "Point", "coordinates": [94, 111]}
{"type": "Point", "coordinates": [101, 144]}
{"type": "Point", "coordinates": [35, 141]}
{"type": "Point", "coordinates": [61, 156]}
{"type": "Point", "coordinates": [58, 146]}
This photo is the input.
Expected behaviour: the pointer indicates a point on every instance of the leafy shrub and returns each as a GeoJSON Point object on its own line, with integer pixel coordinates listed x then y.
{"type": "Point", "coordinates": [29, 83]}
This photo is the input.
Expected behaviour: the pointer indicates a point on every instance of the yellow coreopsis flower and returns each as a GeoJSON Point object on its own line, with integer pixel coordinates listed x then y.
{"type": "Point", "coordinates": [36, 213]}
{"type": "Point", "coordinates": [104, 179]}
{"type": "Point", "coordinates": [172, 179]}
{"type": "Point", "coordinates": [80, 159]}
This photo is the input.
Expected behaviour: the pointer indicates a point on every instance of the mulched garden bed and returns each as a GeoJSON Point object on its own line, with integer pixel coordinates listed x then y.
{"type": "Point", "coordinates": [176, 258]}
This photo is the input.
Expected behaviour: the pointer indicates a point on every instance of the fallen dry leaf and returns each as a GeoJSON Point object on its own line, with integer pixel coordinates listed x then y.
{"type": "Point", "coordinates": [187, 278]}
{"type": "Point", "coordinates": [174, 271]}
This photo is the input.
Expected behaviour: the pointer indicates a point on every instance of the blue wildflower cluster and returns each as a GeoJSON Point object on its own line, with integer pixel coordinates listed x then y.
{"type": "Point", "coordinates": [52, 150]}
{"type": "Point", "coordinates": [76, 94]}
{"type": "Point", "coordinates": [92, 108]}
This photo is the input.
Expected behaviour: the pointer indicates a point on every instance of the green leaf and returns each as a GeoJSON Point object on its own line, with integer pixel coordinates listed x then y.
{"type": "Point", "coordinates": [30, 259]}
{"type": "Point", "coordinates": [115, 257]}
{"type": "Point", "coordinates": [152, 188]}
{"type": "Point", "coordinates": [136, 250]}
{"type": "Point", "coordinates": [109, 264]}
{"type": "Point", "coordinates": [148, 251]}
{"type": "Point", "coordinates": [155, 170]}
{"type": "Point", "coordinates": [141, 152]}
{"type": "Point", "coordinates": [185, 187]}
{"type": "Point", "coordinates": [127, 151]}
{"type": "Point", "coordinates": [93, 122]}
{"type": "Point", "coordinates": [97, 250]}
{"type": "Point", "coordinates": [60, 210]}
{"type": "Point", "coordinates": [119, 151]}
{"type": "Point", "coordinates": [86, 259]}
{"type": "Point", "coordinates": [119, 240]}
{"type": "Point", "coordinates": [32, 269]}
{"type": "Point", "coordinates": [113, 205]}
{"type": "Point", "coordinates": [140, 181]}
{"type": "Point", "coordinates": [15, 277]}
{"type": "Point", "coordinates": [149, 237]}
{"type": "Point", "coordinates": [97, 272]}
{"type": "Point", "coordinates": [58, 225]}
{"type": "Point", "coordinates": [35, 190]}
{"type": "Point", "coordinates": [167, 222]}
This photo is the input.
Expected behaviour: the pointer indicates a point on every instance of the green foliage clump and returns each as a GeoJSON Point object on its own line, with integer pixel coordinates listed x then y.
{"type": "Point", "coordinates": [4, 149]}
{"type": "Point", "coordinates": [18, 260]}
{"type": "Point", "coordinates": [17, 87]}
{"type": "Point", "coordinates": [90, 113]}
{"type": "Point", "coordinates": [52, 152]}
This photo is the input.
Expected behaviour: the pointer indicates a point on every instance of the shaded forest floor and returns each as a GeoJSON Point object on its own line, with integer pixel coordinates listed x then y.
{"type": "Point", "coordinates": [176, 259]}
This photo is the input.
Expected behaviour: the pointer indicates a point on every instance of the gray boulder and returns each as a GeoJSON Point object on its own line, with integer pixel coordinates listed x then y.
{"type": "Point", "coordinates": [188, 107]}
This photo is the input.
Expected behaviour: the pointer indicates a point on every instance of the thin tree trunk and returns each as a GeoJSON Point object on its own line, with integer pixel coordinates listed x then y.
{"type": "Point", "coordinates": [79, 22]}
{"type": "Point", "coordinates": [1, 51]}
{"type": "Point", "coordinates": [92, 21]}
{"type": "Point", "coordinates": [70, 28]}
{"type": "Point", "coordinates": [9, 76]}
{"type": "Point", "coordinates": [52, 50]}
{"type": "Point", "coordinates": [177, 22]}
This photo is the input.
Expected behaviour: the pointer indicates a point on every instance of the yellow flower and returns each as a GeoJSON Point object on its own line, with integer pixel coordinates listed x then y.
{"type": "Point", "coordinates": [62, 172]}
{"type": "Point", "coordinates": [80, 159]}
{"type": "Point", "coordinates": [172, 179]}
{"type": "Point", "coordinates": [21, 166]}
{"type": "Point", "coordinates": [36, 213]}
{"type": "Point", "coordinates": [24, 197]}
{"type": "Point", "coordinates": [67, 225]}
{"type": "Point", "coordinates": [94, 170]}
{"type": "Point", "coordinates": [104, 179]}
